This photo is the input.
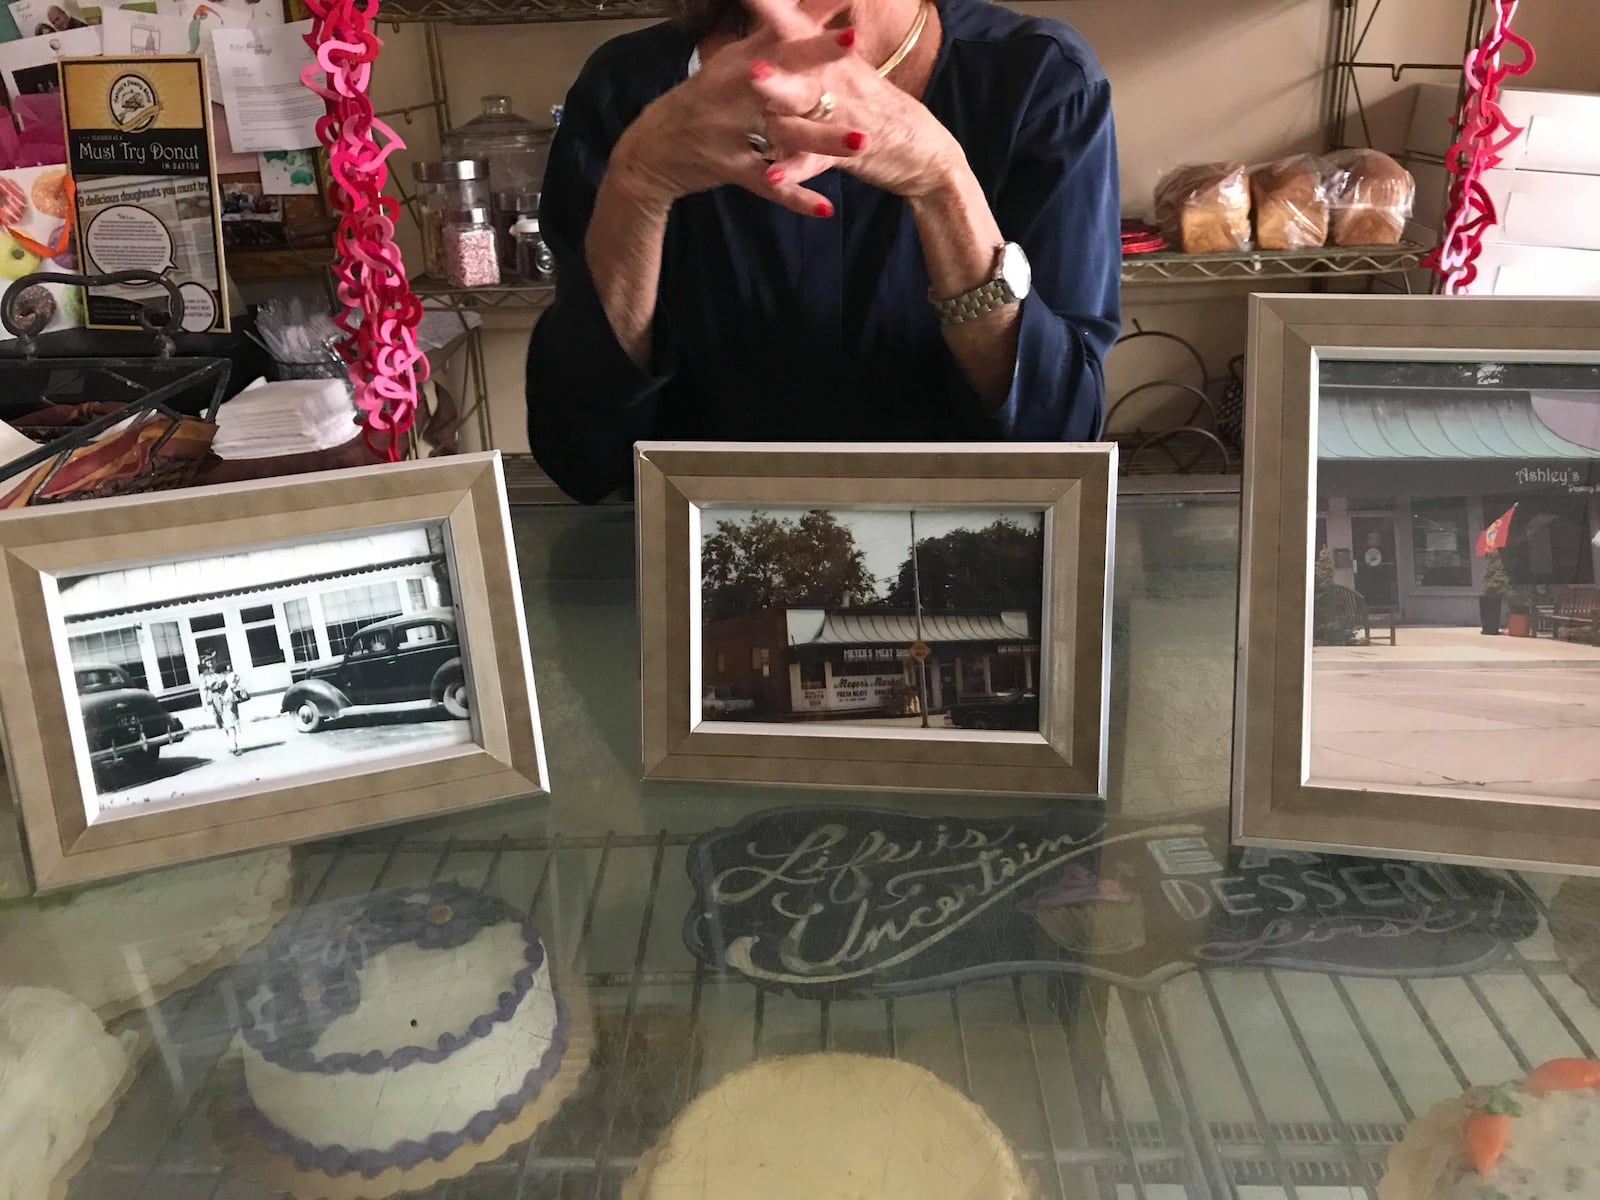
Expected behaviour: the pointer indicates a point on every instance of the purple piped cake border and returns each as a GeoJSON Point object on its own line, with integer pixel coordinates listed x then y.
{"type": "Point", "coordinates": [309, 974]}
{"type": "Point", "coordinates": [341, 1160]}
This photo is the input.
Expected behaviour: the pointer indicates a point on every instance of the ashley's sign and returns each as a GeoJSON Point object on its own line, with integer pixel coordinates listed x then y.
{"type": "Point", "coordinates": [845, 901]}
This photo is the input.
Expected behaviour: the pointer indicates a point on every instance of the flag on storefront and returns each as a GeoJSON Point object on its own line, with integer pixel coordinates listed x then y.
{"type": "Point", "coordinates": [1499, 531]}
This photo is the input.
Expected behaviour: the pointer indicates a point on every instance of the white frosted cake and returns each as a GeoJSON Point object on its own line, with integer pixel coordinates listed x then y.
{"type": "Point", "coordinates": [844, 1126]}
{"type": "Point", "coordinates": [59, 1074]}
{"type": "Point", "coordinates": [122, 945]}
{"type": "Point", "coordinates": [393, 1029]}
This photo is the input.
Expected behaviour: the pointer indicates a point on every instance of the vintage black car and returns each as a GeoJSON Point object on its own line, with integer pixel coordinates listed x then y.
{"type": "Point", "coordinates": [406, 663]}
{"type": "Point", "coordinates": [122, 723]}
{"type": "Point", "coordinates": [1009, 710]}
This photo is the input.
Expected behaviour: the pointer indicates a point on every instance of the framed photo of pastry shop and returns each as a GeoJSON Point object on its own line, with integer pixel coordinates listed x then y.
{"type": "Point", "coordinates": [914, 617]}
{"type": "Point", "coordinates": [193, 673]}
{"type": "Point", "coordinates": [1419, 668]}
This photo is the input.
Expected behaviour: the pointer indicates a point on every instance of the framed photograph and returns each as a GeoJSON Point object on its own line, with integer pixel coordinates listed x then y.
{"type": "Point", "coordinates": [199, 672]}
{"type": "Point", "coordinates": [1420, 595]}
{"type": "Point", "coordinates": [899, 617]}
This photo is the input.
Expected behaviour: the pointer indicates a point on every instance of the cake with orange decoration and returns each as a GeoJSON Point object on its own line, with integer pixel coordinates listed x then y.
{"type": "Point", "coordinates": [1534, 1140]}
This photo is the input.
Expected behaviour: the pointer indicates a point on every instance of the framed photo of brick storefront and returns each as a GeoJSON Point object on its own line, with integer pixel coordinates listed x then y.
{"type": "Point", "coordinates": [193, 673]}
{"type": "Point", "coordinates": [1419, 668]}
{"type": "Point", "coordinates": [905, 617]}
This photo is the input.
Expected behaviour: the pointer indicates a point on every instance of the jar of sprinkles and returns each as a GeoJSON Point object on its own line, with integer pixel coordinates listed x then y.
{"type": "Point", "coordinates": [470, 257]}
{"type": "Point", "coordinates": [441, 187]}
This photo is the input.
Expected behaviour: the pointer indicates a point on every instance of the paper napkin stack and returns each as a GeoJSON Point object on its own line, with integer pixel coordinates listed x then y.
{"type": "Point", "coordinates": [294, 417]}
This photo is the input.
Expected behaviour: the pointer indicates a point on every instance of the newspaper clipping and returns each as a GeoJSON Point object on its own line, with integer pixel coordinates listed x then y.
{"type": "Point", "coordinates": [166, 226]}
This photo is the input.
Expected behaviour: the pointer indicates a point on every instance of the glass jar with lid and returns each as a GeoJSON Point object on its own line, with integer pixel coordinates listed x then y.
{"type": "Point", "coordinates": [515, 148]}
{"type": "Point", "coordinates": [534, 262]}
{"type": "Point", "coordinates": [470, 258]}
{"type": "Point", "coordinates": [444, 187]}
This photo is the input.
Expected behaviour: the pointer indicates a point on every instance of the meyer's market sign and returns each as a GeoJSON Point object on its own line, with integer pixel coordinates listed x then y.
{"type": "Point", "coordinates": [854, 691]}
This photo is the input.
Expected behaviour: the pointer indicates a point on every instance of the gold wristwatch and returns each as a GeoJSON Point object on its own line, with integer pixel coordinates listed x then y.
{"type": "Point", "coordinates": [1012, 281]}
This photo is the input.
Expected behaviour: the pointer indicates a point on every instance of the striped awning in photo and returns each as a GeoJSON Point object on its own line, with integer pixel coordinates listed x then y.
{"type": "Point", "coordinates": [847, 628]}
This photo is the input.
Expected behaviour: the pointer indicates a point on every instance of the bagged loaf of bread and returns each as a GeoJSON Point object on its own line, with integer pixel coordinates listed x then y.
{"type": "Point", "coordinates": [1205, 209]}
{"type": "Point", "coordinates": [1291, 203]}
{"type": "Point", "coordinates": [1370, 197]}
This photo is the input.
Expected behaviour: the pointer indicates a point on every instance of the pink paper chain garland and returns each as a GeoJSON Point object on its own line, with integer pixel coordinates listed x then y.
{"type": "Point", "coordinates": [1482, 134]}
{"type": "Point", "coordinates": [379, 314]}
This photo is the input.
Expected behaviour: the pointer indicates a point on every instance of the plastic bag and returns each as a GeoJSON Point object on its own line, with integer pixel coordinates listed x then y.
{"type": "Point", "coordinates": [1290, 198]}
{"type": "Point", "coordinates": [1370, 197]}
{"type": "Point", "coordinates": [1205, 209]}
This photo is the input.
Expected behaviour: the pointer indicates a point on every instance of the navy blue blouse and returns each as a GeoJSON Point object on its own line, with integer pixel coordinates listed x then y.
{"type": "Point", "coordinates": [771, 326]}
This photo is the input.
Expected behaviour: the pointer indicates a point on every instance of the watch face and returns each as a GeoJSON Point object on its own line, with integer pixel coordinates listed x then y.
{"type": "Point", "coordinates": [1016, 271]}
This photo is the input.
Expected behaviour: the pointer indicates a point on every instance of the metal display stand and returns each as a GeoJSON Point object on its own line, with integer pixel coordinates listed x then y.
{"type": "Point", "coordinates": [1347, 39]}
{"type": "Point", "coordinates": [1351, 23]}
{"type": "Point", "coordinates": [1194, 447]}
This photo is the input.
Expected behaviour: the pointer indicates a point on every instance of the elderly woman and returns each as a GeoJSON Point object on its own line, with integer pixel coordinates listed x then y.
{"type": "Point", "coordinates": [893, 222]}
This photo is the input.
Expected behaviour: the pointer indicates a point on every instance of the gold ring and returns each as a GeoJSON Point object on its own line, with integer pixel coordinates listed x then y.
{"type": "Point", "coordinates": [824, 108]}
{"type": "Point", "coordinates": [759, 142]}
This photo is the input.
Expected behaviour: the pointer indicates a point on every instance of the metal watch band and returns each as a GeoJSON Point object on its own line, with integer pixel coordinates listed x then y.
{"type": "Point", "coordinates": [982, 299]}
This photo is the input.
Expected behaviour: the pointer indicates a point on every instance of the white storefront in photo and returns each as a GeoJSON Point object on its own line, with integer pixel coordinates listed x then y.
{"type": "Point", "coordinates": [269, 613]}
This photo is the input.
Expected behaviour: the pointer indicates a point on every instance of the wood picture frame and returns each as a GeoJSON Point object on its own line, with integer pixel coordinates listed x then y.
{"type": "Point", "coordinates": [383, 715]}
{"type": "Point", "coordinates": [1385, 732]}
{"type": "Point", "coordinates": [1065, 493]}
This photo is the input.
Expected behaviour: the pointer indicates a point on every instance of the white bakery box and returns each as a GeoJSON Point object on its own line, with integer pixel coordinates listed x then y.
{"type": "Point", "coordinates": [1510, 270]}
{"type": "Point", "coordinates": [1559, 128]}
{"type": "Point", "coordinates": [1546, 192]}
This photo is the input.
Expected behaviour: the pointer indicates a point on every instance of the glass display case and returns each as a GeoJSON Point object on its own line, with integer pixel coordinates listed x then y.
{"type": "Point", "coordinates": [1246, 1023]}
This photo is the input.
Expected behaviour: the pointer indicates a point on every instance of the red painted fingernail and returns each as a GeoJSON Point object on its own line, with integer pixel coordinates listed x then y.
{"type": "Point", "coordinates": [823, 209]}
{"type": "Point", "coordinates": [854, 140]}
{"type": "Point", "coordinates": [761, 69]}
{"type": "Point", "coordinates": [847, 38]}
{"type": "Point", "coordinates": [776, 174]}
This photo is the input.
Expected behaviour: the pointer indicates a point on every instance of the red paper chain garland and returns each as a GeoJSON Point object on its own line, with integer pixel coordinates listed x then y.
{"type": "Point", "coordinates": [1482, 134]}
{"type": "Point", "coordinates": [379, 313]}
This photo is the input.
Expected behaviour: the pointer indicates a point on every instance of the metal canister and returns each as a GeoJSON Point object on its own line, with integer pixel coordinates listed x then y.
{"type": "Point", "coordinates": [509, 208]}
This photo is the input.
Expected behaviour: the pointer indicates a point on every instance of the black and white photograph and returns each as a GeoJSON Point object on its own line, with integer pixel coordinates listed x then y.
{"type": "Point", "coordinates": [922, 618]}
{"type": "Point", "coordinates": [222, 675]}
{"type": "Point", "coordinates": [1455, 633]}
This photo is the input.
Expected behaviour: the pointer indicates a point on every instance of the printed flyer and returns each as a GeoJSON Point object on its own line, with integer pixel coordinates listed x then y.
{"type": "Point", "coordinates": [139, 146]}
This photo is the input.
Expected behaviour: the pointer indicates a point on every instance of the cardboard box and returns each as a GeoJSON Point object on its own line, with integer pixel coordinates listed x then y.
{"type": "Point", "coordinates": [1432, 129]}
{"type": "Point", "coordinates": [1543, 208]}
{"type": "Point", "coordinates": [1561, 130]}
{"type": "Point", "coordinates": [1433, 189]}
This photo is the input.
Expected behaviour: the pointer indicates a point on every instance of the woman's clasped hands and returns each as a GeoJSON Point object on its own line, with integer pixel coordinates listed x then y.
{"type": "Point", "coordinates": [778, 107]}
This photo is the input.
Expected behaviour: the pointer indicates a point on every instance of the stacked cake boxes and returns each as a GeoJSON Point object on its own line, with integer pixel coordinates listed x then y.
{"type": "Point", "coordinates": [1546, 191]}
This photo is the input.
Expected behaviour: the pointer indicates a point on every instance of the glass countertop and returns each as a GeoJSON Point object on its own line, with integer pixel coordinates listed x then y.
{"type": "Point", "coordinates": [1167, 1020]}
